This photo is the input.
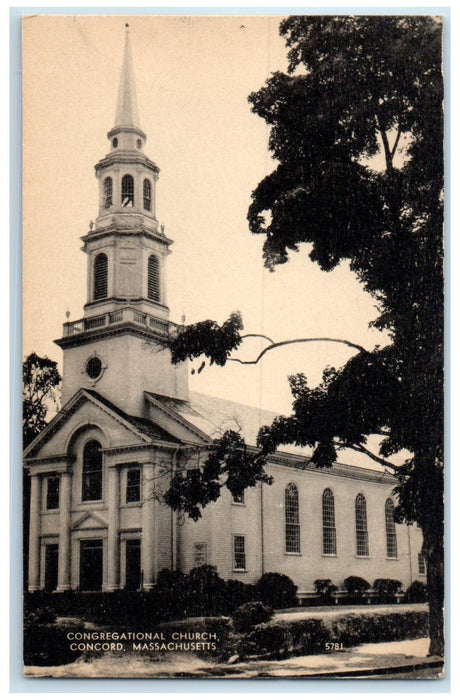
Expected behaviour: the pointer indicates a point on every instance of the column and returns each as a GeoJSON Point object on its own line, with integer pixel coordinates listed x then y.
{"type": "Point", "coordinates": [148, 544]}
{"type": "Point", "coordinates": [64, 533]}
{"type": "Point", "coordinates": [113, 532]}
{"type": "Point", "coordinates": [34, 533]}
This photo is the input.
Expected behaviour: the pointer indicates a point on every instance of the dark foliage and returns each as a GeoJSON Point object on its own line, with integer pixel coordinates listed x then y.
{"type": "Point", "coordinates": [249, 615]}
{"type": "Point", "coordinates": [386, 589]}
{"type": "Point", "coordinates": [325, 588]}
{"type": "Point", "coordinates": [416, 593]}
{"type": "Point", "coordinates": [194, 340]}
{"type": "Point", "coordinates": [356, 586]}
{"type": "Point", "coordinates": [229, 463]}
{"type": "Point", "coordinates": [352, 630]}
{"type": "Point", "coordinates": [277, 590]}
{"type": "Point", "coordinates": [40, 380]}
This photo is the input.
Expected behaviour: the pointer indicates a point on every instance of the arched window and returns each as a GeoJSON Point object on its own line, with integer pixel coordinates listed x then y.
{"type": "Point", "coordinates": [362, 542]}
{"type": "Point", "coordinates": [291, 499]}
{"type": "Point", "coordinates": [153, 279]}
{"type": "Point", "coordinates": [92, 472]}
{"type": "Point", "coordinates": [100, 276]}
{"type": "Point", "coordinates": [127, 191]}
{"type": "Point", "coordinates": [390, 529]}
{"type": "Point", "coordinates": [108, 192]}
{"type": "Point", "coordinates": [147, 195]}
{"type": "Point", "coordinates": [329, 536]}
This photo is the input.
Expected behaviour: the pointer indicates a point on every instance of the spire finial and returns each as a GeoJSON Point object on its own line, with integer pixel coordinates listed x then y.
{"type": "Point", "coordinates": [127, 114]}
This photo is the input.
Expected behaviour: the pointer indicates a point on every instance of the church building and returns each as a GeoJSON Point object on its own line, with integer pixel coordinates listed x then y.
{"type": "Point", "coordinates": [128, 421]}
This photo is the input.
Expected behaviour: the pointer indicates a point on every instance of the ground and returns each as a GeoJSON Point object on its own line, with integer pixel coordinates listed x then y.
{"type": "Point", "coordinates": [405, 659]}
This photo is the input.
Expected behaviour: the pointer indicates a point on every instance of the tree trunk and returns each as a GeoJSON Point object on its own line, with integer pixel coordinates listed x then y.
{"type": "Point", "coordinates": [433, 543]}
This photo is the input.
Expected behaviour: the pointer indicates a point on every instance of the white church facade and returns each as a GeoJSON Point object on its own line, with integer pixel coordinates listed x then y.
{"type": "Point", "coordinates": [128, 421]}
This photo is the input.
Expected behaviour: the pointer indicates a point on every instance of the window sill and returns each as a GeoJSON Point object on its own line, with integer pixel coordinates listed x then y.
{"type": "Point", "coordinates": [292, 554]}
{"type": "Point", "coordinates": [49, 511]}
{"type": "Point", "coordinates": [329, 556]}
{"type": "Point", "coordinates": [392, 558]}
{"type": "Point", "coordinates": [240, 571]}
{"type": "Point", "coordinates": [362, 556]}
{"type": "Point", "coordinates": [234, 503]}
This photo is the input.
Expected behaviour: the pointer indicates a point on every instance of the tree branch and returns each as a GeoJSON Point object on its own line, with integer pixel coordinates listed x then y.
{"type": "Point", "coordinates": [297, 340]}
{"type": "Point", "coordinates": [358, 447]}
{"type": "Point", "coordinates": [395, 145]}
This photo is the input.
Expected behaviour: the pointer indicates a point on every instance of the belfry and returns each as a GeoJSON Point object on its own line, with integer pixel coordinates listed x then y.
{"type": "Point", "coordinates": [117, 345]}
{"type": "Point", "coordinates": [128, 423]}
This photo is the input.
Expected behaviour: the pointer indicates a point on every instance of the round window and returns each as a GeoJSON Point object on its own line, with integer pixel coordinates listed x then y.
{"type": "Point", "coordinates": [115, 142]}
{"type": "Point", "coordinates": [94, 367]}
{"type": "Point", "coordinates": [139, 143]}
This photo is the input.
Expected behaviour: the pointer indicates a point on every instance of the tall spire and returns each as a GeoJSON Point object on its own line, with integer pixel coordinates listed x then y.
{"type": "Point", "coordinates": [127, 114]}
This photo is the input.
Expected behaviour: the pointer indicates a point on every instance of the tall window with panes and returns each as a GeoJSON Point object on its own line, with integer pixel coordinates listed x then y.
{"type": "Point", "coordinates": [390, 529]}
{"type": "Point", "coordinates": [239, 553]}
{"type": "Point", "coordinates": [292, 524]}
{"type": "Point", "coordinates": [92, 472]}
{"type": "Point", "coordinates": [362, 539]}
{"type": "Point", "coordinates": [329, 534]}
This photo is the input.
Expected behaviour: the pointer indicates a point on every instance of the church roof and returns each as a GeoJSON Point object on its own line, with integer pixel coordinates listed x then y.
{"type": "Point", "coordinates": [213, 416]}
{"type": "Point", "coordinates": [143, 425]}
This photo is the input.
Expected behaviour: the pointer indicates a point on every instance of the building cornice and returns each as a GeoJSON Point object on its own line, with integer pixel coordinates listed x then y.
{"type": "Point", "coordinates": [125, 231]}
{"type": "Point", "coordinates": [126, 328]}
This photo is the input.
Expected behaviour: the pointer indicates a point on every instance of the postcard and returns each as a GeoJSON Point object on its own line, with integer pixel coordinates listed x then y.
{"type": "Point", "coordinates": [233, 346]}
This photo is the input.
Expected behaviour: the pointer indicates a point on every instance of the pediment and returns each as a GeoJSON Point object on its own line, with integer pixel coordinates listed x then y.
{"type": "Point", "coordinates": [83, 411]}
{"type": "Point", "coordinates": [89, 521]}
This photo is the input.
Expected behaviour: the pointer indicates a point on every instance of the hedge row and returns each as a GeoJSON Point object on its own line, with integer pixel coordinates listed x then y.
{"type": "Point", "coordinates": [297, 637]}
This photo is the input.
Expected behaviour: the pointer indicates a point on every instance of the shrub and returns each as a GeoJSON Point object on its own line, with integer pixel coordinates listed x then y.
{"type": "Point", "coordinates": [237, 593]}
{"type": "Point", "coordinates": [248, 615]}
{"type": "Point", "coordinates": [206, 590]}
{"type": "Point", "coordinates": [386, 589]}
{"type": "Point", "coordinates": [325, 588]}
{"type": "Point", "coordinates": [416, 593]}
{"type": "Point", "coordinates": [283, 638]}
{"type": "Point", "coordinates": [388, 627]}
{"type": "Point", "coordinates": [356, 586]}
{"type": "Point", "coordinates": [172, 594]}
{"type": "Point", "coordinates": [277, 590]}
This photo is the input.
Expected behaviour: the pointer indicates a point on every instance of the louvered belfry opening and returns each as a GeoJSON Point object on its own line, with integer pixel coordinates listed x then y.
{"type": "Point", "coordinates": [108, 193]}
{"type": "Point", "coordinates": [127, 191]}
{"type": "Point", "coordinates": [153, 279]}
{"type": "Point", "coordinates": [100, 276]}
{"type": "Point", "coordinates": [147, 195]}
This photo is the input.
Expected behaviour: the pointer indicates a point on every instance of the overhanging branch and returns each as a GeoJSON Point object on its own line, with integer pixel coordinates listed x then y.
{"type": "Point", "coordinates": [355, 346]}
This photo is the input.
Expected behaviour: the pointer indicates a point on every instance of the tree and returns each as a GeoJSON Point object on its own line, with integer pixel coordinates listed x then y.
{"type": "Point", "coordinates": [40, 381]}
{"type": "Point", "coordinates": [356, 88]}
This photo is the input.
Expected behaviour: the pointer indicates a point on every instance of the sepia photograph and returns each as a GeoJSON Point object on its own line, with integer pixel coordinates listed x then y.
{"type": "Point", "coordinates": [233, 346]}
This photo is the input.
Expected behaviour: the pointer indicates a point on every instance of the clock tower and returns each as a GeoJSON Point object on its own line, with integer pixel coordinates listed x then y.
{"type": "Point", "coordinates": [118, 348]}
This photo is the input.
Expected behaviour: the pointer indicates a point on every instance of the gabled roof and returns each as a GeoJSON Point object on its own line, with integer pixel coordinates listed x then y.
{"type": "Point", "coordinates": [212, 416]}
{"type": "Point", "coordinates": [144, 429]}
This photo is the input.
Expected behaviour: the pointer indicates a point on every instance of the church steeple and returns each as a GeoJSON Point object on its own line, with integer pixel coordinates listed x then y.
{"type": "Point", "coordinates": [127, 112]}
{"type": "Point", "coordinates": [126, 299]}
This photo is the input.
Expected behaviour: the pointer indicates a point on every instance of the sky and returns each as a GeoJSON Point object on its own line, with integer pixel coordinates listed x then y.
{"type": "Point", "coordinates": [193, 78]}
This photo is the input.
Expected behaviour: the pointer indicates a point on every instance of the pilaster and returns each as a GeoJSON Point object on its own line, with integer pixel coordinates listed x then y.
{"type": "Point", "coordinates": [34, 533]}
{"type": "Point", "coordinates": [64, 533]}
{"type": "Point", "coordinates": [148, 544]}
{"type": "Point", "coordinates": [113, 530]}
